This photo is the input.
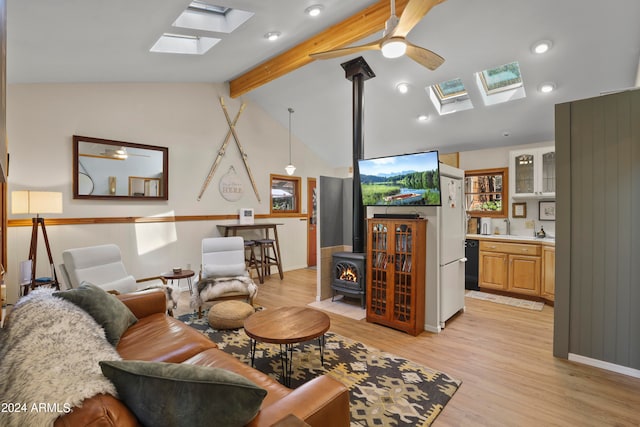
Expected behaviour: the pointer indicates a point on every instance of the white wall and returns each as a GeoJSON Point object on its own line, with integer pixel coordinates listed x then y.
{"type": "Point", "coordinates": [188, 119]}
{"type": "Point", "coordinates": [499, 158]}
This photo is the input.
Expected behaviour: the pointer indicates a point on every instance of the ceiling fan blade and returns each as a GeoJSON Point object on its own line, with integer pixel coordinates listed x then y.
{"type": "Point", "coordinates": [346, 50]}
{"type": "Point", "coordinates": [412, 14]}
{"type": "Point", "coordinates": [424, 57]}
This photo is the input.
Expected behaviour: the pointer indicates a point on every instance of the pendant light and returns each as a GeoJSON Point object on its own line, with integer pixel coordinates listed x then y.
{"type": "Point", "coordinates": [290, 168]}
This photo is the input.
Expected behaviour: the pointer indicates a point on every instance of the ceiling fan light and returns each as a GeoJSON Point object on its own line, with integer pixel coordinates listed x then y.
{"type": "Point", "coordinates": [394, 48]}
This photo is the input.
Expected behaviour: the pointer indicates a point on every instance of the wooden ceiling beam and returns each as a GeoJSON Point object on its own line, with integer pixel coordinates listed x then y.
{"type": "Point", "coordinates": [355, 28]}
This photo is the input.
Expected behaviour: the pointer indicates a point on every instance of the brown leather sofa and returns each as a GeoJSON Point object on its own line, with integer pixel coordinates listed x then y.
{"type": "Point", "coordinates": [161, 338]}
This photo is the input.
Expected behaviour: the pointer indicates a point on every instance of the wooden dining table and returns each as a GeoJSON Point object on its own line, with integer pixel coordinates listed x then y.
{"type": "Point", "coordinates": [233, 229]}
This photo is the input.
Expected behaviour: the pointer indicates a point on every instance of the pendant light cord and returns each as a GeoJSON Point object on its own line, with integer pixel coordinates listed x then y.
{"type": "Point", "coordinates": [290, 113]}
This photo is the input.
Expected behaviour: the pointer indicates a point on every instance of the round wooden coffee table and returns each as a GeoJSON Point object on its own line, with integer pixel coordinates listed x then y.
{"type": "Point", "coordinates": [287, 326]}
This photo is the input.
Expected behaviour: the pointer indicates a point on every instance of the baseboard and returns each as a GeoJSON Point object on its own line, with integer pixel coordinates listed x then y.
{"type": "Point", "coordinates": [434, 329]}
{"type": "Point", "coordinates": [605, 365]}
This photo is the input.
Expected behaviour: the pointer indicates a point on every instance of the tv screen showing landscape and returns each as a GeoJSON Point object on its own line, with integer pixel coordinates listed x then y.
{"type": "Point", "coordinates": [403, 180]}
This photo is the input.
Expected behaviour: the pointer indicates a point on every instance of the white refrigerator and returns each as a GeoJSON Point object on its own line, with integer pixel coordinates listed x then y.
{"type": "Point", "coordinates": [451, 238]}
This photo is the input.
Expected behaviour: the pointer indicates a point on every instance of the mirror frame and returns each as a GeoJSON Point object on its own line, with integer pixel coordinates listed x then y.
{"type": "Point", "coordinates": [165, 169]}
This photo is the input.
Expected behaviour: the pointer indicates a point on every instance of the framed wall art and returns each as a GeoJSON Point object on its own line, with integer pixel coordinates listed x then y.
{"type": "Point", "coordinates": [518, 210]}
{"type": "Point", "coordinates": [547, 211]}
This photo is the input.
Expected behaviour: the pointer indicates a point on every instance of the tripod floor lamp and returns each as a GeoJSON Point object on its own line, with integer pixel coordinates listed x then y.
{"type": "Point", "coordinates": [37, 202]}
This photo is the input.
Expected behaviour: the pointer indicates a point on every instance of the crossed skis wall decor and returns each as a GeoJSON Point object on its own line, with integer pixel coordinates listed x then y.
{"type": "Point", "coordinates": [223, 148]}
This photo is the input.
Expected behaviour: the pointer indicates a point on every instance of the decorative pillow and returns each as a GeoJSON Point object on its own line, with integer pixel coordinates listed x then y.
{"type": "Point", "coordinates": [107, 310]}
{"type": "Point", "coordinates": [175, 394]}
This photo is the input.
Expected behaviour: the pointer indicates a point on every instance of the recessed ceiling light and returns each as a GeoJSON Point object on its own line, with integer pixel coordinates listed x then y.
{"type": "Point", "coordinates": [402, 87]}
{"type": "Point", "coordinates": [423, 118]}
{"type": "Point", "coordinates": [506, 133]}
{"type": "Point", "coordinates": [547, 87]}
{"type": "Point", "coordinates": [314, 10]}
{"type": "Point", "coordinates": [542, 46]}
{"type": "Point", "coordinates": [272, 36]}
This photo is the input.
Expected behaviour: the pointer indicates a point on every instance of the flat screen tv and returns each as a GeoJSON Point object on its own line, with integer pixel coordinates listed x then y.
{"type": "Point", "coordinates": [402, 180]}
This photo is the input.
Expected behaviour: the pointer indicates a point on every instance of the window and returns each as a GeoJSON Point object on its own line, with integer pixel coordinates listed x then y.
{"type": "Point", "coordinates": [449, 97]}
{"type": "Point", "coordinates": [486, 192]}
{"type": "Point", "coordinates": [285, 194]}
{"type": "Point", "coordinates": [504, 77]}
{"type": "Point", "coordinates": [500, 84]}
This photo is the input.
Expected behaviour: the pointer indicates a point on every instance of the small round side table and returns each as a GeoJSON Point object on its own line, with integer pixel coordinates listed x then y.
{"type": "Point", "coordinates": [184, 274]}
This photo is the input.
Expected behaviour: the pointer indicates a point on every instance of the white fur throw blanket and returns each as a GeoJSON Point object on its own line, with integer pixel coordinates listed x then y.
{"type": "Point", "coordinates": [49, 354]}
{"type": "Point", "coordinates": [211, 288]}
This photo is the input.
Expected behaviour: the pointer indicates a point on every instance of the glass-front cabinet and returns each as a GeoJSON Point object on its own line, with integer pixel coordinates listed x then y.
{"type": "Point", "coordinates": [396, 273]}
{"type": "Point", "coordinates": [533, 172]}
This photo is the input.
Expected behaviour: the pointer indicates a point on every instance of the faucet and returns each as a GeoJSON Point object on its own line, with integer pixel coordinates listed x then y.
{"type": "Point", "coordinates": [508, 226]}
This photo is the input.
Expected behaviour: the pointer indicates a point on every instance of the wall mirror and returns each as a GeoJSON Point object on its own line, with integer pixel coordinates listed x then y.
{"type": "Point", "coordinates": [106, 169]}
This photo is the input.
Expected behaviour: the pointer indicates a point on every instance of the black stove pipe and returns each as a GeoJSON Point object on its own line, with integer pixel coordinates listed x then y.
{"type": "Point", "coordinates": [358, 71]}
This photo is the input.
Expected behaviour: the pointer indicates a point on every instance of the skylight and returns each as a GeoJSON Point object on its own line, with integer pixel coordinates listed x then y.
{"type": "Point", "coordinates": [500, 84]}
{"type": "Point", "coordinates": [208, 8]}
{"type": "Point", "coordinates": [208, 17]}
{"type": "Point", "coordinates": [178, 43]}
{"type": "Point", "coordinates": [449, 96]}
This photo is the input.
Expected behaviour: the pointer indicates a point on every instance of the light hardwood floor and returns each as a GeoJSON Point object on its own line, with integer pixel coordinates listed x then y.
{"type": "Point", "coordinates": [502, 354]}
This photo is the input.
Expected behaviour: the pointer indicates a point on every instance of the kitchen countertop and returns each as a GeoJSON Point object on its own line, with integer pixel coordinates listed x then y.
{"type": "Point", "coordinates": [547, 241]}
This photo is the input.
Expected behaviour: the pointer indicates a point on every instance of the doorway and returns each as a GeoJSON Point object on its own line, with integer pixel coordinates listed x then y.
{"type": "Point", "coordinates": [312, 222]}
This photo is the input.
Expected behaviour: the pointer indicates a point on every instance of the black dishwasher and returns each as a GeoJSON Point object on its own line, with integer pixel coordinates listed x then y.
{"type": "Point", "coordinates": [471, 252]}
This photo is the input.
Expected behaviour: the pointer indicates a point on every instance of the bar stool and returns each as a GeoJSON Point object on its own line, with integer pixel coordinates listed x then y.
{"type": "Point", "coordinates": [251, 259]}
{"type": "Point", "coordinates": [269, 257]}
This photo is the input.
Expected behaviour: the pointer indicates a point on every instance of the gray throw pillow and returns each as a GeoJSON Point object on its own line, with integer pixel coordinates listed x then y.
{"type": "Point", "coordinates": [173, 394]}
{"type": "Point", "coordinates": [107, 310]}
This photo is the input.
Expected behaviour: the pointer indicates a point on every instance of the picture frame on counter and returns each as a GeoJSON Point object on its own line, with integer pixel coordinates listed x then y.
{"type": "Point", "coordinates": [547, 211]}
{"type": "Point", "coordinates": [518, 210]}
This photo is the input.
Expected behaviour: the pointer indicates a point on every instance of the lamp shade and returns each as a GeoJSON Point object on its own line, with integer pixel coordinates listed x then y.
{"type": "Point", "coordinates": [36, 202]}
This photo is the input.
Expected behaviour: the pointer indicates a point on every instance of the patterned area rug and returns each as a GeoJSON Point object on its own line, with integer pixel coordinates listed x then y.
{"type": "Point", "coordinates": [501, 299]}
{"type": "Point", "coordinates": [385, 390]}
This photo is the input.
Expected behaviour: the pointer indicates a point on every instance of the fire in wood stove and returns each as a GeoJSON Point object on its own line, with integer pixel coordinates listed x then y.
{"type": "Point", "coordinates": [349, 275]}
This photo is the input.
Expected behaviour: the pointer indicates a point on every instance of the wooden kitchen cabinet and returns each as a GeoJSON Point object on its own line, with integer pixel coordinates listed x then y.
{"type": "Point", "coordinates": [548, 289]}
{"type": "Point", "coordinates": [524, 274]}
{"type": "Point", "coordinates": [513, 267]}
{"type": "Point", "coordinates": [396, 256]}
{"type": "Point", "coordinates": [493, 270]}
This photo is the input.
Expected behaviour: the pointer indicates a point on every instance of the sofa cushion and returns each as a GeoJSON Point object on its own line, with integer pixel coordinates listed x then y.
{"type": "Point", "coordinates": [171, 394]}
{"type": "Point", "coordinates": [106, 309]}
{"type": "Point", "coordinates": [161, 338]}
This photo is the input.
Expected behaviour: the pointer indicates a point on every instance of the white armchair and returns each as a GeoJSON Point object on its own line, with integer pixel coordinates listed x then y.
{"type": "Point", "coordinates": [223, 273]}
{"type": "Point", "coordinates": [102, 266]}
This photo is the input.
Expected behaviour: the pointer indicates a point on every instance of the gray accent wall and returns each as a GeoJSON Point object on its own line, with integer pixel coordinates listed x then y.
{"type": "Point", "coordinates": [336, 211]}
{"type": "Point", "coordinates": [597, 306]}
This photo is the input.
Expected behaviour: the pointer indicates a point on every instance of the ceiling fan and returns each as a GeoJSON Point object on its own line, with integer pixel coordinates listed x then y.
{"type": "Point", "coordinates": [118, 153]}
{"type": "Point", "coordinates": [393, 43]}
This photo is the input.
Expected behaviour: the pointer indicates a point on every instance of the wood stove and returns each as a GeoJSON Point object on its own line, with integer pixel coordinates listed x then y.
{"type": "Point", "coordinates": [348, 275]}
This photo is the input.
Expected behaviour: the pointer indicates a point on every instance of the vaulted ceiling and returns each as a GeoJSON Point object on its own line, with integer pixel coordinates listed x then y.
{"type": "Point", "coordinates": [596, 49]}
